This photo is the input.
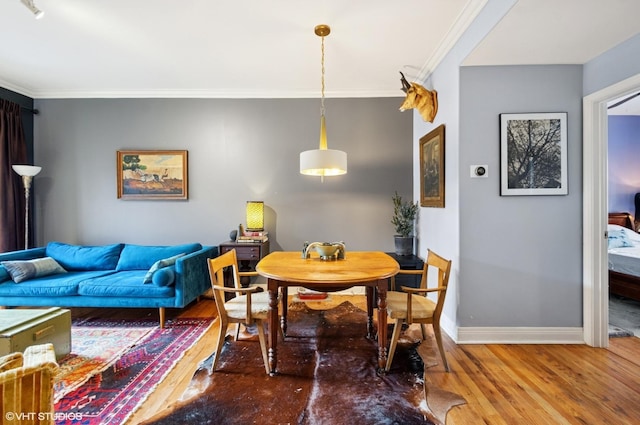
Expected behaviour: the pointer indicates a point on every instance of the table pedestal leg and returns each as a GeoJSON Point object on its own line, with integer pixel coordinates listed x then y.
{"type": "Point", "coordinates": [272, 286]}
{"type": "Point", "coordinates": [382, 325]}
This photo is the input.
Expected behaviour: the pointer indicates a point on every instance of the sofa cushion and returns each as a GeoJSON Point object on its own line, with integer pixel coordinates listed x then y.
{"type": "Point", "coordinates": [141, 257]}
{"type": "Point", "coordinates": [164, 277]}
{"type": "Point", "coordinates": [56, 285]}
{"type": "Point", "coordinates": [28, 269]}
{"type": "Point", "coordinates": [124, 284]}
{"type": "Point", "coordinates": [82, 257]}
{"type": "Point", "coordinates": [160, 264]}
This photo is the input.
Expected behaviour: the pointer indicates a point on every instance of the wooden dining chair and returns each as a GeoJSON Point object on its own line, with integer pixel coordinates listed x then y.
{"type": "Point", "coordinates": [27, 385]}
{"type": "Point", "coordinates": [249, 306]}
{"type": "Point", "coordinates": [412, 305]}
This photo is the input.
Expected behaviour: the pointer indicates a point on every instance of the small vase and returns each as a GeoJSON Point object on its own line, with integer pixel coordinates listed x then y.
{"type": "Point", "coordinates": [404, 245]}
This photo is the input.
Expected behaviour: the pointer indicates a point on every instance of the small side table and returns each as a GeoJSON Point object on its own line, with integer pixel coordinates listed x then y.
{"type": "Point", "coordinates": [248, 253]}
{"type": "Point", "coordinates": [407, 262]}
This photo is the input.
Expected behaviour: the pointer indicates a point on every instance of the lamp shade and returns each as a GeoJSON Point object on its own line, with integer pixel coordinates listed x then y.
{"type": "Point", "coordinates": [323, 162]}
{"type": "Point", "coordinates": [255, 216]}
{"type": "Point", "coordinates": [26, 170]}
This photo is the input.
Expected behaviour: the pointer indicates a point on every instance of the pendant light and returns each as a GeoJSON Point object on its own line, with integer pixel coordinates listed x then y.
{"type": "Point", "coordinates": [323, 161]}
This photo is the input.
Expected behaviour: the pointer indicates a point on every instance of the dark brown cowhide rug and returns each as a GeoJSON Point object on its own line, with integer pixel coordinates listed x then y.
{"type": "Point", "coordinates": [327, 375]}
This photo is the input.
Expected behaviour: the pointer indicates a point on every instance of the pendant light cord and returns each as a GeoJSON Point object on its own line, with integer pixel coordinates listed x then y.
{"type": "Point", "coordinates": [322, 78]}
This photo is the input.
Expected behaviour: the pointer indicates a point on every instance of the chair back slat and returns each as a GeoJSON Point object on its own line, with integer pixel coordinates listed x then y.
{"type": "Point", "coordinates": [217, 266]}
{"type": "Point", "coordinates": [444, 269]}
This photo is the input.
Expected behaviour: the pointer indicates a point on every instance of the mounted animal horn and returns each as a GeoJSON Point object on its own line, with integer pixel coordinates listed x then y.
{"type": "Point", "coordinates": [405, 83]}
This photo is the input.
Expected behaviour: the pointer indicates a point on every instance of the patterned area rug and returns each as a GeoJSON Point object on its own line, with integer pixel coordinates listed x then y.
{"type": "Point", "coordinates": [327, 376]}
{"type": "Point", "coordinates": [115, 365]}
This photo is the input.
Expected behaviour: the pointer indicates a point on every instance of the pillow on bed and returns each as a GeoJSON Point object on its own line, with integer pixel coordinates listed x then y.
{"type": "Point", "coordinates": [618, 237]}
{"type": "Point", "coordinates": [633, 237]}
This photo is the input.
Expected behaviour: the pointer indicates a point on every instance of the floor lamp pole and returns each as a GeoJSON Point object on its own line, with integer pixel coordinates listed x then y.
{"type": "Point", "coordinates": [26, 181]}
{"type": "Point", "coordinates": [27, 172]}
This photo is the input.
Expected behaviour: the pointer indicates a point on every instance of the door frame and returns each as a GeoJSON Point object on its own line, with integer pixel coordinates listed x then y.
{"type": "Point", "coordinates": [595, 210]}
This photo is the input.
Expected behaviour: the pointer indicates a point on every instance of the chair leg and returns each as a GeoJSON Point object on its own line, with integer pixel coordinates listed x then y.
{"type": "Point", "coordinates": [263, 345]}
{"type": "Point", "coordinates": [236, 334]}
{"type": "Point", "coordinates": [438, 335]}
{"type": "Point", "coordinates": [423, 327]}
{"type": "Point", "coordinates": [219, 344]}
{"type": "Point", "coordinates": [394, 342]}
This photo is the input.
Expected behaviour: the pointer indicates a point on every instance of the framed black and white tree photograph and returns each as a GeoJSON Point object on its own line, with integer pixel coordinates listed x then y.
{"type": "Point", "coordinates": [533, 154]}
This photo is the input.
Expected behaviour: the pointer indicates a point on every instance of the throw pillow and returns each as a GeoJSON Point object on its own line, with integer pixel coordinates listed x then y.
{"type": "Point", "coordinates": [164, 277]}
{"type": "Point", "coordinates": [29, 269]}
{"type": "Point", "coordinates": [159, 265]}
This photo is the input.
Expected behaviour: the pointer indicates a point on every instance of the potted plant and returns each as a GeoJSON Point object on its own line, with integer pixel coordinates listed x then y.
{"type": "Point", "coordinates": [404, 216]}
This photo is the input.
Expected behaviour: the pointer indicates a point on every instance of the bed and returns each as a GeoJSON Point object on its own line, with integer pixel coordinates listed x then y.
{"type": "Point", "coordinates": [624, 256]}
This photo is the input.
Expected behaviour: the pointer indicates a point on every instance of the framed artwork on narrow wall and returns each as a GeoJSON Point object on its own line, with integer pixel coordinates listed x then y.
{"type": "Point", "coordinates": [533, 154]}
{"type": "Point", "coordinates": [432, 168]}
{"type": "Point", "coordinates": [153, 174]}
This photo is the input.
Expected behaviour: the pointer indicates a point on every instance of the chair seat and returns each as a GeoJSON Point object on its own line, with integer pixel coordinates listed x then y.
{"type": "Point", "coordinates": [421, 307]}
{"type": "Point", "coordinates": [237, 307]}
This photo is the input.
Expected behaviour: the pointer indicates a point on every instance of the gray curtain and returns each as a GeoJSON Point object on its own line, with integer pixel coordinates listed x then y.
{"type": "Point", "coordinates": [13, 150]}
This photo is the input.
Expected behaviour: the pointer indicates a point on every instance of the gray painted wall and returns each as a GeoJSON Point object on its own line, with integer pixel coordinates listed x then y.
{"type": "Point", "coordinates": [439, 228]}
{"type": "Point", "coordinates": [520, 255]}
{"type": "Point", "coordinates": [239, 150]}
{"type": "Point", "coordinates": [612, 66]}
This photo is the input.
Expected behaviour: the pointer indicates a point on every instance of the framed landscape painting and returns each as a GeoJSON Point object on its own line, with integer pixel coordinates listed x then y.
{"type": "Point", "coordinates": [432, 168]}
{"type": "Point", "coordinates": [155, 174]}
{"type": "Point", "coordinates": [533, 154]}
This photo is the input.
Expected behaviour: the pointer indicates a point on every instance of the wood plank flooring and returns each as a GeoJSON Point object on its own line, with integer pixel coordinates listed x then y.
{"type": "Point", "coordinates": [503, 384]}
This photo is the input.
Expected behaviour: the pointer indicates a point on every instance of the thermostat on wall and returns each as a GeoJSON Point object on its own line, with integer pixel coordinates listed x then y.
{"type": "Point", "coordinates": [479, 171]}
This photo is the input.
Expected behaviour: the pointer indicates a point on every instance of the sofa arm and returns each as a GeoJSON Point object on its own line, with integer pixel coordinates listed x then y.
{"type": "Point", "coordinates": [24, 254]}
{"type": "Point", "coordinates": [192, 275]}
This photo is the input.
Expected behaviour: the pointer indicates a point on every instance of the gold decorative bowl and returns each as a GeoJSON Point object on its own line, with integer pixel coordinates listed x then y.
{"type": "Point", "coordinates": [327, 249]}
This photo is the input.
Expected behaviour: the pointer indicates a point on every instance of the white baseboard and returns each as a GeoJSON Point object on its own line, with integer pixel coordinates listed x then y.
{"type": "Point", "coordinates": [519, 335]}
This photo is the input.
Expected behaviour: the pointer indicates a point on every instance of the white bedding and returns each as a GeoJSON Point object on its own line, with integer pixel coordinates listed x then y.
{"type": "Point", "coordinates": [624, 259]}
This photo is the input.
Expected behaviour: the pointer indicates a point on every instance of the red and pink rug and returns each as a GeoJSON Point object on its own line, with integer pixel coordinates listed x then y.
{"type": "Point", "coordinates": [115, 365]}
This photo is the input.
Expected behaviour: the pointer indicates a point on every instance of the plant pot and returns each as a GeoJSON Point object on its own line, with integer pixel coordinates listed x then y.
{"type": "Point", "coordinates": [404, 245]}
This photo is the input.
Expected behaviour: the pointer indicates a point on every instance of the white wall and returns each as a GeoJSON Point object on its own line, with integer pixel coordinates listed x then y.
{"type": "Point", "coordinates": [239, 150]}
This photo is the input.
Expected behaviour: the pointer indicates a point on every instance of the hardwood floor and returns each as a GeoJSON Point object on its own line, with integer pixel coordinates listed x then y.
{"type": "Point", "coordinates": [503, 384]}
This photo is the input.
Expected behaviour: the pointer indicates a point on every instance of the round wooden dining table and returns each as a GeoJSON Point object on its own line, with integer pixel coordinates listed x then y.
{"type": "Point", "coordinates": [370, 269]}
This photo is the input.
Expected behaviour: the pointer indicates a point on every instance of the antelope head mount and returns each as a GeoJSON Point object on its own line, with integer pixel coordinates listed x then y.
{"type": "Point", "coordinates": [423, 100]}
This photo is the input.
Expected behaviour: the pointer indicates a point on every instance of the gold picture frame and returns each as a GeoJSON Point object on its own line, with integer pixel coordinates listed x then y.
{"type": "Point", "coordinates": [152, 174]}
{"type": "Point", "coordinates": [432, 168]}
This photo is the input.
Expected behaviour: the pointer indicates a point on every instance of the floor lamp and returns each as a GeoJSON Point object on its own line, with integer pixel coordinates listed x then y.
{"type": "Point", "coordinates": [27, 172]}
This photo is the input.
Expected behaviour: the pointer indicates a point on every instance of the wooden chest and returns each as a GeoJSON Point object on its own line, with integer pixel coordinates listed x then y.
{"type": "Point", "coordinates": [21, 328]}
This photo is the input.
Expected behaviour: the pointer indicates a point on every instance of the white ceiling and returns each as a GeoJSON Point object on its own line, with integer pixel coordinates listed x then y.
{"type": "Point", "coordinates": [258, 48]}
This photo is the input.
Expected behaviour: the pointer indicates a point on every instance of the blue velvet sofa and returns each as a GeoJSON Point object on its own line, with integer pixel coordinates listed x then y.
{"type": "Point", "coordinates": [118, 275]}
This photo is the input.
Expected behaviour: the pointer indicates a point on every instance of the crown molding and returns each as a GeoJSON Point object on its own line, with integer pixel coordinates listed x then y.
{"type": "Point", "coordinates": [464, 21]}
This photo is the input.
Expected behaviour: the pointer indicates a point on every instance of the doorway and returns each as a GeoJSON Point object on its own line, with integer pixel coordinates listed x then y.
{"type": "Point", "coordinates": [594, 210]}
